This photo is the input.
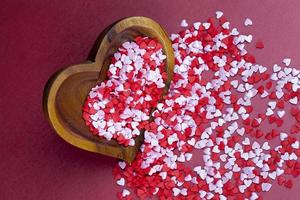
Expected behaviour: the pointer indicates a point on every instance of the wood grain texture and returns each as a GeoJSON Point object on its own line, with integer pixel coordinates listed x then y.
{"type": "Point", "coordinates": [66, 90]}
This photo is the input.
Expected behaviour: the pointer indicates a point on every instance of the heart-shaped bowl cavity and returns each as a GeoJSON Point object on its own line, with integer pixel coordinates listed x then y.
{"type": "Point", "coordinates": [67, 89]}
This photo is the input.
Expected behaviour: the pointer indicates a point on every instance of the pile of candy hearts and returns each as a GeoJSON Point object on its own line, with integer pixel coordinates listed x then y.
{"type": "Point", "coordinates": [240, 117]}
{"type": "Point", "coordinates": [120, 107]}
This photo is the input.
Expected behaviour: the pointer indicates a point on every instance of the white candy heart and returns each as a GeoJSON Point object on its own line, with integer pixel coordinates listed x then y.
{"type": "Point", "coordinates": [279, 94]}
{"type": "Point", "coordinates": [223, 157]}
{"type": "Point", "coordinates": [215, 149]}
{"type": "Point", "coordinates": [181, 158]}
{"type": "Point", "coordinates": [219, 14]}
{"type": "Point", "coordinates": [242, 110]}
{"type": "Point", "coordinates": [197, 26]}
{"type": "Point", "coordinates": [163, 175]}
{"type": "Point", "coordinates": [266, 187]}
{"type": "Point", "coordinates": [287, 70]}
{"type": "Point", "coordinates": [285, 156]}
{"type": "Point", "coordinates": [264, 94]}
{"type": "Point", "coordinates": [248, 38]}
{"type": "Point", "coordinates": [255, 145]}
{"type": "Point", "coordinates": [269, 112]}
{"type": "Point", "coordinates": [247, 182]}
{"type": "Point", "coordinates": [226, 25]}
{"type": "Point", "coordinates": [125, 193]}
{"type": "Point", "coordinates": [172, 138]}
{"type": "Point", "coordinates": [279, 171]}
{"type": "Point", "coordinates": [295, 72]}
{"type": "Point", "coordinates": [265, 146]}
{"type": "Point", "coordinates": [262, 69]}
{"type": "Point", "coordinates": [248, 86]}
{"type": "Point", "coordinates": [192, 142]}
{"type": "Point", "coordinates": [204, 136]}
{"type": "Point", "coordinates": [201, 172]}
{"type": "Point", "coordinates": [122, 164]}
{"type": "Point", "coordinates": [188, 178]}
{"type": "Point", "coordinates": [241, 131]}
{"type": "Point", "coordinates": [183, 191]}
{"type": "Point", "coordinates": [241, 88]}
{"type": "Point", "coordinates": [294, 100]}
{"type": "Point", "coordinates": [121, 182]}
{"type": "Point", "coordinates": [286, 61]}
{"type": "Point", "coordinates": [295, 145]}
{"type": "Point", "coordinates": [206, 25]}
{"type": "Point", "coordinates": [235, 83]}
{"type": "Point", "coordinates": [274, 77]}
{"type": "Point", "coordinates": [272, 104]}
{"type": "Point", "coordinates": [184, 23]}
{"type": "Point", "coordinates": [245, 116]}
{"type": "Point", "coordinates": [280, 113]}
{"type": "Point", "coordinates": [202, 193]}
{"type": "Point", "coordinates": [273, 175]}
{"type": "Point", "coordinates": [248, 22]}
{"type": "Point", "coordinates": [246, 141]}
{"type": "Point", "coordinates": [176, 191]}
{"type": "Point", "coordinates": [293, 156]}
{"type": "Point", "coordinates": [276, 68]}
{"type": "Point", "coordinates": [200, 144]}
{"type": "Point", "coordinates": [234, 31]}
{"type": "Point", "coordinates": [242, 188]}
{"type": "Point", "coordinates": [188, 156]}
{"type": "Point", "coordinates": [283, 136]}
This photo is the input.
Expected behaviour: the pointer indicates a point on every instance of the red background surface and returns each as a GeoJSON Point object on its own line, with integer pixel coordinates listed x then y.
{"type": "Point", "coordinates": [39, 37]}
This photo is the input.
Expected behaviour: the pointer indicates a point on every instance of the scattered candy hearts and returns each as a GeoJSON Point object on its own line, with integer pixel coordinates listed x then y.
{"type": "Point", "coordinates": [210, 109]}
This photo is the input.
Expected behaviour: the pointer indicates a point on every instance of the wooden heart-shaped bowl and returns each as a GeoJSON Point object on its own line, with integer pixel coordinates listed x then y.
{"type": "Point", "coordinates": [67, 89]}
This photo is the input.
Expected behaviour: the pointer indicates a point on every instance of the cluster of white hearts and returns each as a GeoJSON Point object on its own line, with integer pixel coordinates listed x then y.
{"type": "Point", "coordinates": [117, 107]}
{"type": "Point", "coordinates": [213, 112]}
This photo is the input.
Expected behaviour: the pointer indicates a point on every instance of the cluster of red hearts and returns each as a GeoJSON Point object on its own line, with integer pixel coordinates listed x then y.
{"type": "Point", "coordinates": [120, 106]}
{"type": "Point", "coordinates": [240, 117]}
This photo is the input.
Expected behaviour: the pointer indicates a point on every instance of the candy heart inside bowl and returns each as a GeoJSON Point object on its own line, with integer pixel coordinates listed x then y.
{"type": "Point", "coordinates": [66, 90]}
